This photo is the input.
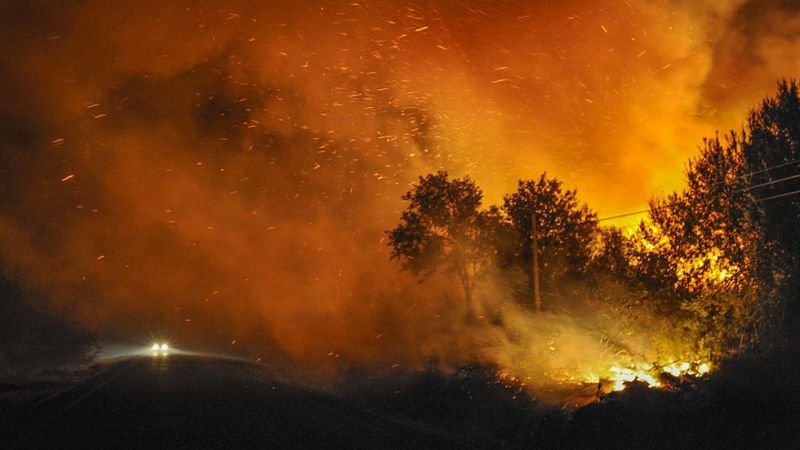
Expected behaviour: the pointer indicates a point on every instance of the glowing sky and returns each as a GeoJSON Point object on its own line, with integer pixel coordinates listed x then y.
{"type": "Point", "coordinates": [229, 167]}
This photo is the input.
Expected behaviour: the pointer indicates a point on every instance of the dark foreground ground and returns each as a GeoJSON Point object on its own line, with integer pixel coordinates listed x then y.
{"type": "Point", "coordinates": [197, 402]}
{"type": "Point", "coordinates": [751, 403]}
{"type": "Point", "coordinates": [194, 402]}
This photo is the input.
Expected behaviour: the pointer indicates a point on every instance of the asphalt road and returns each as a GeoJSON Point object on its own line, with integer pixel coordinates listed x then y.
{"type": "Point", "coordinates": [180, 401]}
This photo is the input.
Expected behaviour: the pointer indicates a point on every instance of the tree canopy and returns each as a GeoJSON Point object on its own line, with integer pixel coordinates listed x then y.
{"type": "Point", "coordinates": [772, 155]}
{"type": "Point", "coordinates": [721, 258]}
{"type": "Point", "coordinates": [444, 228]}
{"type": "Point", "coordinates": [564, 228]}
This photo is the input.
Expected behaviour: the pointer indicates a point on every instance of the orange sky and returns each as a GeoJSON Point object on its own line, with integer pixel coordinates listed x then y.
{"type": "Point", "coordinates": [227, 169]}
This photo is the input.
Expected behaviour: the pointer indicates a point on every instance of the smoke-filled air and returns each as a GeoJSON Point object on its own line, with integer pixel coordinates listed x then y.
{"type": "Point", "coordinates": [326, 187]}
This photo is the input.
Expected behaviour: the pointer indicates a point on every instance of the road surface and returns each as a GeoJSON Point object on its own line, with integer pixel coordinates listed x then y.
{"type": "Point", "coordinates": [178, 401]}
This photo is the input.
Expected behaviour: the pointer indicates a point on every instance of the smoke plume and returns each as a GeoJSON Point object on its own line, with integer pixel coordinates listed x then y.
{"type": "Point", "coordinates": [223, 172]}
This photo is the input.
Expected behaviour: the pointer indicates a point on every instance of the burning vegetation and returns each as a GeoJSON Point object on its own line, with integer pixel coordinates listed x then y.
{"type": "Point", "coordinates": [669, 299]}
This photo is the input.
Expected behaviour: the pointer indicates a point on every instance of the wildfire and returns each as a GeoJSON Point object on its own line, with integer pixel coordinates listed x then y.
{"type": "Point", "coordinates": [613, 379]}
{"type": "Point", "coordinates": [621, 375]}
{"type": "Point", "coordinates": [712, 268]}
{"type": "Point", "coordinates": [695, 268]}
{"type": "Point", "coordinates": [685, 368]}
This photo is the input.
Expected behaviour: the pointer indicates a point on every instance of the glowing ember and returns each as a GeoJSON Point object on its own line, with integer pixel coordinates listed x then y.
{"type": "Point", "coordinates": [619, 376]}
{"type": "Point", "coordinates": [623, 375]}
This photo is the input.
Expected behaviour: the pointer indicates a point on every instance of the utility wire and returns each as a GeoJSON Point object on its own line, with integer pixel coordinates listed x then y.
{"type": "Point", "coordinates": [619, 216]}
{"type": "Point", "coordinates": [766, 169]}
{"type": "Point", "coordinates": [745, 175]}
{"type": "Point", "coordinates": [785, 194]}
{"type": "Point", "coordinates": [747, 189]}
{"type": "Point", "coordinates": [767, 183]}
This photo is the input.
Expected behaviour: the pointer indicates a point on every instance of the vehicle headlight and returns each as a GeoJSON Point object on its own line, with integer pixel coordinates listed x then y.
{"type": "Point", "coordinates": [159, 348]}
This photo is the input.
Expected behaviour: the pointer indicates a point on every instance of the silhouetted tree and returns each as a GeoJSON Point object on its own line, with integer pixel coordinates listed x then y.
{"type": "Point", "coordinates": [443, 228]}
{"type": "Point", "coordinates": [771, 153]}
{"type": "Point", "coordinates": [564, 229]}
{"type": "Point", "coordinates": [696, 253]}
{"type": "Point", "coordinates": [701, 239]}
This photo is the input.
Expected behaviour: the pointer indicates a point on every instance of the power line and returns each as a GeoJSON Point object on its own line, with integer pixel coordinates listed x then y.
{"type": "Point", "coordinates": [747, 189]}
{"type": "Point", "coordinates": [619, 216]}
{"type": "Point", "coordinates": [779, 180]}
{"type": "Point", "coordinates": [785, 194]}
{"type": "Point", "coordinates": [766, 169]}
{"type": "Point", "coordinates": [745, 175]}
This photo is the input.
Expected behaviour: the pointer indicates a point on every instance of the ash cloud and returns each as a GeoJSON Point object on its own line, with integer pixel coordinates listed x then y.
{"type": "Point", "coordinates": [758, 42]}
{"type": "Point", "coordinates": [214, 199]}
{"type": "Point", "coordinates": [223, 172]}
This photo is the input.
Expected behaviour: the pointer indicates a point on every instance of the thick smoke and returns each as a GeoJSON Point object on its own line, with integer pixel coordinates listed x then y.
{"type": "Point", "coordinates": [222, 172]}
{"type": "Point", "coordinates": [758, 38]}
